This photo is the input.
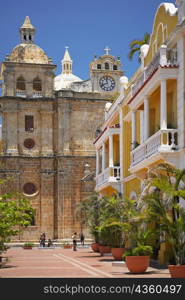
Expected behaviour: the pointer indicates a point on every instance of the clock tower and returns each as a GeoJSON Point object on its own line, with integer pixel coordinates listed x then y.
{"type": "Point", "coordinates": [105, 73]}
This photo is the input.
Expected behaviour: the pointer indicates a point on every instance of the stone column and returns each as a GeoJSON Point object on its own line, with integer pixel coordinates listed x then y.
{"type": "Point", "coordinates": [11, 132]}
{"type": "Point", "coordinates": [97, 162]}
{"type": "Point", "coordinates": [121, 143]}
{"type": "Point", "coordinates": [111, 161]}
{"type": "Point", "coordinates": [47, 133]}
{"type": "Point", "coordinates": [121, 148]}
{"type": "Point", "coordinates": [103, 157]}
{"type": "Point", "coordinates": [141, 126]}
{"type": "Point", "coordinates": [133, 129]}
{"type": "Point", "coordinates": [163, 113]}
{"type": "Point", "coordinates": [146, 118]}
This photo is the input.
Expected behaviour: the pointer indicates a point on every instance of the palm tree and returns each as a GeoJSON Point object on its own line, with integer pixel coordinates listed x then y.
{"type": "Point", "coordinates": [161, 200]}
{"type": "Point", "coordinates": [87, 212]}
{"type": "Point", "coordinates": [135, 46]}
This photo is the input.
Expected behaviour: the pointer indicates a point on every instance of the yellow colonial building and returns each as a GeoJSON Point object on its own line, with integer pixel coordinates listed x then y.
{"type": "Point", "coordinates": [146, 123]}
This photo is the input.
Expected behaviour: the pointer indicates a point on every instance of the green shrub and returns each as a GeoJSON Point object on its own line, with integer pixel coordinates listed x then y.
{"type": "Point", "coordinates": [140, 250]}
{"type": "Point", "coordinates": [28, 244]}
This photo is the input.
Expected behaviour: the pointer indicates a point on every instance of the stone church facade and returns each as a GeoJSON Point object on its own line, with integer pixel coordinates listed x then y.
{"type": "Point", "coordinates": [48, 127]}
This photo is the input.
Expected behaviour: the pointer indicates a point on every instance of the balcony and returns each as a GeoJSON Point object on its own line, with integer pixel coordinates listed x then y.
{"type": "Point", "coordinates": [165, 58]}
{"type": "Point", "coordinates": [110, 175]}
{"type": "Point", "coordinates": [37, 95]}
{"type": "Point", "coordinates": [162, 141]}
{"type": "Point", "coordinates": [21, 93]}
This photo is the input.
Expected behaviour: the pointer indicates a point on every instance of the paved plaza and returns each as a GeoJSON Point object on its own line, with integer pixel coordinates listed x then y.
{"type": "Point", "coordinates": [66, 263]}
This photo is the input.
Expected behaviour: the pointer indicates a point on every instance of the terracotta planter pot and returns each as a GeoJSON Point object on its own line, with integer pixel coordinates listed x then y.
{"type": "Point", "coordinates": [27, 247]}
{"type": "Point", "coordinates": [177, 271]}
{"type": "Point", "coordinates": [104, 249]}
{"type": "Point", "coordinates": [137, 264]}
{"type": "Point", "coordinates": [117, 253]}
{"type": "Point", "coordinates": [67, 246]}
{"type": "Point", "coordinates": [95, 247]}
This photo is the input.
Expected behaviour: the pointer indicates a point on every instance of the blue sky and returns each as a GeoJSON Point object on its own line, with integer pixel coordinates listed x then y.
{"type": "Point", "coordinates": [86, 26]}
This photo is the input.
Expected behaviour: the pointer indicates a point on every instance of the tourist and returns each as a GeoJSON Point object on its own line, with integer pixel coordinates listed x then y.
{"type": "Point", "coordinates": [50, 243]}
{"type": "Point", "coordinates": [82, 238]}
{"type": "Point", "coordinates": [74, 237]}
{"type": "Point", "coordinates": [42, 239]}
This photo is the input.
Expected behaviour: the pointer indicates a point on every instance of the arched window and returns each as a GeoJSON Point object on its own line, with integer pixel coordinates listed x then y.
{"type": "Point", "coordinates": [106, 66]}
{"type": "Point", "coordinates": [115, 67]}
{"type": "Point", "coordinates": [20, 84]}
{"type": "Point", "coordinates": [98, 66]}
{"type": "Point", "coordinates": [37, 84]}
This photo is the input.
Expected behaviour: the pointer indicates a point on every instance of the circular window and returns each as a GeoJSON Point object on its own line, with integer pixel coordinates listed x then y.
{"type": "Point", "coordinates": [29, 143]}
{"type": "Point", "coordinates": [29, 188]}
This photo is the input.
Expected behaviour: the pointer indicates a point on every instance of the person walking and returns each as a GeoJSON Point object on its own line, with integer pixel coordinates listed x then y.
{"type": "Point", "coordinates": [82, 238]}
{"type": "Point", "coordinates": [74, 237]}
{"type": "Point", "coordinates": [42, 239]}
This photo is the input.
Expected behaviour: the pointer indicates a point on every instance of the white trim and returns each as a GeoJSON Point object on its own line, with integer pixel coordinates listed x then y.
{"type": "Point", "coordinates": [151, 85]}
{"type": "Point", "coordinates": [109, 131]}
{"type": "Point", "coordinates": [129, 178]}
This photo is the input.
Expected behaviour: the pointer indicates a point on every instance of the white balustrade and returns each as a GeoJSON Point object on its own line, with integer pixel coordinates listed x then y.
{"type": "Point", "coordinates": [111, 174]}
{"type": "Point", "coordinates": [37, 94]}
{"type": "Point", "coordinates": [171, 58]}
{"type": "Point", "coordinates": [21, 93]}
{"type": "Point", "coordinates": [164, 140]}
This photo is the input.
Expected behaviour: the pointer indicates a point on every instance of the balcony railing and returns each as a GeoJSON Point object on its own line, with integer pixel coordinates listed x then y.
{"type": "Point", "coordinates": [109, 175]}
{"type": "Point", "coordinates": [170, 59]}
{"type": "Point", "coordinates": [37, 95]}
{"type": "Point", "coordinates": [21, 93]}
{"type": "Point", "coordinates": [162, 141]}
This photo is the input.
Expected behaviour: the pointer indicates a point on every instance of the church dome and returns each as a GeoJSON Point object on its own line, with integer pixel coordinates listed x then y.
{"type": "Point", "coordinates": [66, 78]}
{"type": "Point", "coordinates": [28, 53]}
{"type": "Point", "coordinates": [63, 81]}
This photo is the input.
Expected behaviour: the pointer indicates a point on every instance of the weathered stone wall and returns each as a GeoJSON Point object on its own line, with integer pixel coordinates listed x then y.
{"type": "Point", "coordinates": [64, 131]}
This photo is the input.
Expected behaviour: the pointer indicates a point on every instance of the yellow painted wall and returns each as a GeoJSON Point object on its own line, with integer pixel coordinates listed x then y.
{"type": "Point", "coordinates": [116, 150]}
{"type": "Point", "coordinates": [109, 191]}
{"type": "Point", "coordinates": [132, 186]}
{"type": "Point", "coordinates": [172, 103]}
{"type": "Point", "coordinates": [126, 147]}
{"type": "Point", "coordinates": [154, 106]}
{"type": "Point", "coordinates": [138, 127]}
{"type": "Point", "coordinates": [162, 19]}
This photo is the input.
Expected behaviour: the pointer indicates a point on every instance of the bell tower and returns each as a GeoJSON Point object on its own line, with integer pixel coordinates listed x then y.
{"type": "Point", "coordinates": [27, 32]}
{"type": "Point", "coordinates": [105, 73]}
{"type": "Point", "coordinates": [67, 63]}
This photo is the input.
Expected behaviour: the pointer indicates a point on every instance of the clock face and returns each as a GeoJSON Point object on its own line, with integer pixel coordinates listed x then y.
{"type": "Point", "coordinates": [107, 83]}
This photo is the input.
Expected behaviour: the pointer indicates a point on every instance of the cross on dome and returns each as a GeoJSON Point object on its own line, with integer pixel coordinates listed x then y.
{"type": "Point", "coordinates": [107, 49]}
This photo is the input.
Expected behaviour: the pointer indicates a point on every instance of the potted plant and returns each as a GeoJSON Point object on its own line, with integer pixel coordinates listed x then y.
{"type": "Point", "coordinates": [115, 238]}
{"type": "Point", "coordinates": [67, 245]}
{"type": "Point", "coordinates": [138, 236]}
{"type": "Point", "coordinates": [104, 242]}
{"type": "Point", "coordinates": [168, 185]}
{"type": "Point", "coordinates": [138, 258]}
{"type": "Point", "coordinates": [88, 212]}
{"type": "Point", "coordinates": [28, 245]}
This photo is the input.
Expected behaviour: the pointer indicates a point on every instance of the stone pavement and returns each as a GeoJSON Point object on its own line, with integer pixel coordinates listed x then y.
{"type": "Point", "coordinates": [66, 263]}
